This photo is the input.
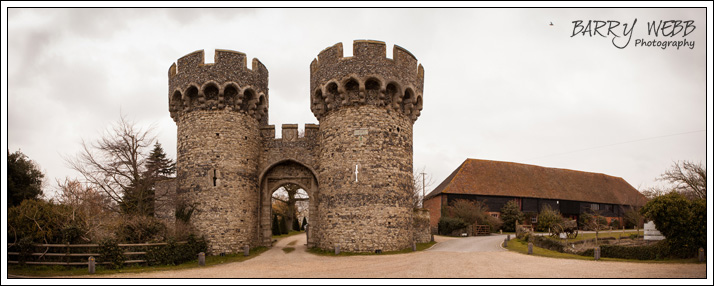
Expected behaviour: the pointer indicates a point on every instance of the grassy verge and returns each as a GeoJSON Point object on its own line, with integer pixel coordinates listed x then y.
{"type": "Point", "coordinates": [520, 246]}
{"type": "Point", "coordinates": [317, 251]}
{"type": "Point", "coordinates": [57, 270]}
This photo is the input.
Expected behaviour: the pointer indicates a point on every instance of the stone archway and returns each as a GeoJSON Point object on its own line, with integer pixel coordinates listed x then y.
{"type": "Point", "coordinates": [280, 174]}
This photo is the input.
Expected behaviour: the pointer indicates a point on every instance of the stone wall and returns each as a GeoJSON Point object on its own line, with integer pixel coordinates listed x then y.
{"type": "Point", "coordinates": [422, 230]}
{"type": "Point", "coordinates": [371, 209]}
{"type": "Point", "coordinates": [217, 172]}
{"type": "Point", "coordinates": [165, 199]}
{"type": "Point", "coordinates": [356, 165]}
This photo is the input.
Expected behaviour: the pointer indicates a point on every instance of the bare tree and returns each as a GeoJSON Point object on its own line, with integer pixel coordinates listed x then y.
{"type": "Point", "coordinates": [114, 164]}
{"type": "Point", "coordinates": [421, 182]}
{"type": "Point", "coordinates": [633, 204]}
{"type": "Point", "coordinates": [87, 206]}
{"type": "Point", "coordinates": [688, 178]}
{"type": "Point", "coordinates": [655, 191]}
{"type": "Point", "coordinates": [290, 197]}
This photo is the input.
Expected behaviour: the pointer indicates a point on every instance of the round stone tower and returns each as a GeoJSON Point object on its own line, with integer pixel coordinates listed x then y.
{"type": "Point", "coordinates": [366, 105]}
{"type": "Point", "coordinates": [218, 109]}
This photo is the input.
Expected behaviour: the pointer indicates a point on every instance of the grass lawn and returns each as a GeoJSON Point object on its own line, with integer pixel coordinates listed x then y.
{"type": "Point", "coordinates": [520, 246]}
{"type": "Point", "coordinates": [420, 247]}
{"type": "Point", "coordinates": [58, 270]}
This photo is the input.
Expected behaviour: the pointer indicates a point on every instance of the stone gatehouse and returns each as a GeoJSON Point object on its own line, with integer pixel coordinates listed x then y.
{"type": "Point", "coordinates": [356, 165]}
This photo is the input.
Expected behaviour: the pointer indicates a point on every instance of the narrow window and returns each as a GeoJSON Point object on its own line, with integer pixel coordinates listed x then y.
{"type": "Point", "coordinates": [214, 177]}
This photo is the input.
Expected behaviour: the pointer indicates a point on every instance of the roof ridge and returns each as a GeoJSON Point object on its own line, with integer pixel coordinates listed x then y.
{"type": "Point", "coordinates": [500, 178]}
{"type": "Point", "coordinates": [440, 188]}
{"type": "Point", "coordinates": [544, 167]}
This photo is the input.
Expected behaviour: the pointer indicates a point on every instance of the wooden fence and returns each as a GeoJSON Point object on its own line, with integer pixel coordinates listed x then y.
{"type": "Point", "coordinates": [71, 255]}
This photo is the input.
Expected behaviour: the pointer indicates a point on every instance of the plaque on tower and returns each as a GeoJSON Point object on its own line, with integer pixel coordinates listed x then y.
{"type": "Point", "coordinates": [361, 132]}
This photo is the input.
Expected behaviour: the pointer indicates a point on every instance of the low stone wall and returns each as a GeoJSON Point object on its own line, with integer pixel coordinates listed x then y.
{"type": "Point", "coordinates": [422, 230]}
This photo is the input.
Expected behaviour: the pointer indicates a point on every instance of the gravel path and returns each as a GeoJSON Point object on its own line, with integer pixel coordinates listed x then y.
{"type": "Point", "coordinates": [473, 257]}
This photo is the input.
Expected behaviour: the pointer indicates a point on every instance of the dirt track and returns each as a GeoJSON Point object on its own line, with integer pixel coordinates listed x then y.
{"type": "Point", "coordinates": [433, 263]}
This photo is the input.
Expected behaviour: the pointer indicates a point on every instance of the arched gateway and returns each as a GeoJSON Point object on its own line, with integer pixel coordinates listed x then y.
{"type": "Point", "coordinates": [356, 165]}
{"type": "Point", "coordinates": [277, 175]}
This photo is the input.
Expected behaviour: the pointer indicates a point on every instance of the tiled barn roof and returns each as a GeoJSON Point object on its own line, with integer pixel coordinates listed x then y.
{"type": "Point", "coordinates": [494, 178]}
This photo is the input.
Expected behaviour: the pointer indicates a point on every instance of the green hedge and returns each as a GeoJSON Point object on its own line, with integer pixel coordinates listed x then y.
{"type": "Point", "coordinates": [447, 225]}
{"type": "Point", "coordinates": [110, 251]}
{"type": "Point", "coordinates": [174, 253]}
{"type": "Point", "coordinates": [659, 250]}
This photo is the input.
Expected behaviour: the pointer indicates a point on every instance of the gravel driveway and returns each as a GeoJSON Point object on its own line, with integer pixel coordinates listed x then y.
{"type": "Point", "coordinates": [472, 257]}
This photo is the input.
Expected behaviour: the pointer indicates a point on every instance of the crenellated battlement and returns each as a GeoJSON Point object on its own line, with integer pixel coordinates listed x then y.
{"type": "Point", "coordinates": [229, 58]}
{"type": "Point", "coordinates": [225, 84]}
{"type": "Point", "coordinates": [355, 166]}
{"type": "Point", "coordinates": [290, 132]}
{"type": "Point", "coordinates": [368, 77]}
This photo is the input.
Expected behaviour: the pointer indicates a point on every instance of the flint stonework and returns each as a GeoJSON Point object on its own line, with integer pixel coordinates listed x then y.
{"type": "Point", "coordinates": [355, 165]}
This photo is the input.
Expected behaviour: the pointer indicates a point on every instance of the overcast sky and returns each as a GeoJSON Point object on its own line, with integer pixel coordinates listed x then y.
{"type": "Point", "coordinates": [500, 84]}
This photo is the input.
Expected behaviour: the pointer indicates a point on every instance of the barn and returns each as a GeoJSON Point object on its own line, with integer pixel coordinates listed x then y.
{"type": "Point", "coordinates": [571, 192]}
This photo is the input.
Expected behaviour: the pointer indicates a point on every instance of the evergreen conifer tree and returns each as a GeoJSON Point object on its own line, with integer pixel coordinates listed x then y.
{"type": "Point", "coordinates": [276, 226]}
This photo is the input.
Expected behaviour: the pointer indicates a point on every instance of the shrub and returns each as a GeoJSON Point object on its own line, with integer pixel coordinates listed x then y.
{"type": "Point", "coordinates": [587, 221]}
{"type": "Point", "coordinates": [548, 243]}
{"type": "Point", "coordinates": [447, 225]}
{"type": "Point", "coordinates": [615, 224]}
{"type": "Point", "coordinates": [471, 212]}
{"type": "Point", "coordinates": [296, 224]}
{"type": "Point", "coordinates": [494, 222]}
{"type": "Point", "coordinates": [110, 251]}
{"type": "Point", "coordinates": [633, 218]}
{"type": "Point", "coordinates": [140, 229]}
{"type": "Point", "coordinates": [195, 246]}
{"type": "Point", "coordinates": [174, 253]}
{"type": "Point", "coordinates": [25, 247]}
{"type": "Point", "coordinates": [161, 255]}
{"type": "Point", "coordinates": [659, 250]}
{"type": "Point", "coordinates": [72, 233]}
{"type": "Point", "coordinates": [522, 233]}
{"type": "Point", "coordinates": [681, 221]}
{"type": "Point", "coordinates": [547, 218]}
{"type": "Point", "coordinates": [510, 213]}
{"type": "Point", "coordinates": [283, 226]}
{"type": "Point", "coordinates": [41, 221]}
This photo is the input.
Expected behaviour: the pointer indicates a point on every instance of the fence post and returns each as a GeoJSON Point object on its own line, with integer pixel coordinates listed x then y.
{"type": "Point", "coordinates": [701, 254]}
{"type": "Point", "coordinates": [246, 250]}
{"type": "Point", "coordinates": [337, 249]}
{"type": "Point", "coordinates": [530, 248]}
{"type": "Point", "coordinates": [201, 259]}
{"type": "Point", "coordinates": [505, 243]}
{"type": "Point", "coordinates": [597, 253]}
{"type": "Point", "coordinates": [508, 237]}
{"type": "Point", "coordinates": [413, 245]}
{"type": "Point", "coordinates": [91, 265]}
